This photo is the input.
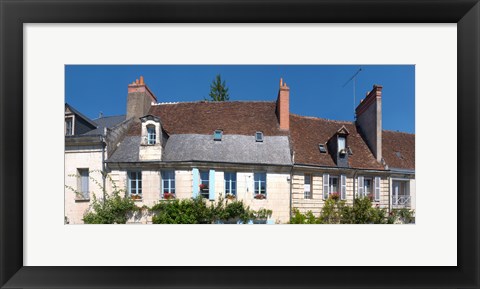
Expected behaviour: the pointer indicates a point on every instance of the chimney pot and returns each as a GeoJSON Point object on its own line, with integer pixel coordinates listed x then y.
{"type": "Point", "coordinates": [281, 82]}
{"type": "Point", "coordinates": [141, 80]}
{"type": "Point", "coordinates": [136, 81]}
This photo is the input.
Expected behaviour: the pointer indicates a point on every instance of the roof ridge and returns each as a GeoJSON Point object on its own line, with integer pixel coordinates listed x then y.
{"type": "Point", "coordinates": [213, 102]}
{"type": "Point", "coordinates": [396, 131]}
{"type": "Point", "coordinates": [321, 118]}
{"type": "Point", "coordinates": [110, 116]}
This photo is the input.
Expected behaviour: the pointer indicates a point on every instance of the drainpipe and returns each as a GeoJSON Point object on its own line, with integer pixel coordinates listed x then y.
{"type": "Point", "coordinates": [291, 191]}
{"type": "Point", "coordinates": [104, 170]}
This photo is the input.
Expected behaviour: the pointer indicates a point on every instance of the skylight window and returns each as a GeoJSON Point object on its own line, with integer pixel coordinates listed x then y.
{"type": "Point", "coordinates": [259, 136]}
{"type": "Point", "coordinates": [217, 135]}
{"type": "Point", "coordinates": [322, 148]}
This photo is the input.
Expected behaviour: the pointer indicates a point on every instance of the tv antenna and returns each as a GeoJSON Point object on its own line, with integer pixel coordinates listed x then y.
{"type": "Point", "coordinates": [354, 84]}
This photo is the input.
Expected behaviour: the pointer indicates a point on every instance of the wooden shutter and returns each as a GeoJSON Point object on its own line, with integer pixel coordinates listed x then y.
{"type": "Point", "coordinates": [211, 185]}
{"type": "Point", "coordinates": [377, 188]}
{"type": "Point", "coordinates": [361, 187]}
{"type": "Point", "coordinates": [196, 180]}
{"type": "Point", "coordinates": [326, 183]}
{"type": "Point", "coordinates": [343, 184]}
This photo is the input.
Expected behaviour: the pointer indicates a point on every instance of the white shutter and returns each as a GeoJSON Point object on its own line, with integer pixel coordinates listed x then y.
{"type": "Point", "coordinates": [326, 183]}
{"type": "Point", "coordinates": [360, 187]}
{"type": "Point", "coordinates": [377, 188]}
{"type": "Point", "coordinates": [343, 184]}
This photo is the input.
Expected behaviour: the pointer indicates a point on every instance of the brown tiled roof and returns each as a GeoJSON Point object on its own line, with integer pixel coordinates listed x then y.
{"type": "Point", "coordinates": [203, 117]}
{"type": "Point", "coordinates": [398, 149]}
{"type": "Point", "coordinates": [306, 133]}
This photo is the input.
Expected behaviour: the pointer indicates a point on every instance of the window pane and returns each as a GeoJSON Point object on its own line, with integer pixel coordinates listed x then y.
{"type": "Point", "coordinates": [341, 143]}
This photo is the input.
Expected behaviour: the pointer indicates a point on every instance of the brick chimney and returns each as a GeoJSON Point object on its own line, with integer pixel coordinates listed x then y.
{"type": "Point", "coordinates": [369, 120]}
{"type": "Point", "coordinates": [139, 99]}
{"type": "Point", "coordinates": [283, 106]}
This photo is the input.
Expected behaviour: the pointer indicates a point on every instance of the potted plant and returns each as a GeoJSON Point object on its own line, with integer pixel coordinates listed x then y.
{"type": "Point", "coordinates": [230, 196]}
{"type": "Point", "coordinates": [136, 197]}
{"type": "Point", "coordinates": [168, 196]}
{"type": "Point", "coordinates": [335, 196]}
{"type": "Point", "coordinates": [259, 196]}
{"type": "Point", "coordinates": [203, 188]}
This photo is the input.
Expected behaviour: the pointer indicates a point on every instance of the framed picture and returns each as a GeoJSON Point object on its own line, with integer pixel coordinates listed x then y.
{"type": "Point", "coordinates": [16, 270]}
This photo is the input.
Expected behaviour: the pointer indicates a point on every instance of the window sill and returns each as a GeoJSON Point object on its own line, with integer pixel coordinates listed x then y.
{"type": "Point", "coordinates": [82, 200]}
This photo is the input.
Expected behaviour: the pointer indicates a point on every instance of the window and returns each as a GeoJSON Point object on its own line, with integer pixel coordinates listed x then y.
{"type": "Point", "coordinates": [259, 136]}
{"type": "Point", "coordinates": [367, 186]}
{"type": "Point", "coordinates": [230, 183]}
{"type": "Point", "coordinates": [322, 148]}
{"type": "Point", "coordinates": [168, 183]}
{"type": "Point", "coordinates": [68, 126]}
{"type": "Point", "coordinates": [333, 185]}
{"type": "Point", "coordinates": [204, 189]}
{"type": "Point", "coordinates": [151, 135]}
{"type": "Point", "coordinates": [135, 183]}
{"type": "Point", "coordinates": [341, 144]}
{"type": "Point", "coordinates": [83, 183]}
{"type": "Point", "coordinates": [260, 184]}
{"type": "Point", "coordinates": [217, 135]}
{"type": "Point", "coordinates": [400, 193]}
{"type": "Point", "coordinates": [307, 186]}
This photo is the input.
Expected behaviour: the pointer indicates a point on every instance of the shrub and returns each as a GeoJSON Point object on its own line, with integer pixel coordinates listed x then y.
{"type": "Point", "coordinates": [362, 212]}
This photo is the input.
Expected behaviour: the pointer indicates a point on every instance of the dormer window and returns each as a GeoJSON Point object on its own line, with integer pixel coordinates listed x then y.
{"type": "Point", "coordinates": [68, 126]}
{"type": "Point", "coordinates": [341, 145]}
{"type": "Point", "coordinates": [322, 148]}
{"type": "Point", "coordinates": [217, 135]}
{"type": "Point", "coordinates": [151, 130]}
{"type": "Point", "coordinates": [259, 136]}
{"type": "Point", "coordinates": [151, 135]}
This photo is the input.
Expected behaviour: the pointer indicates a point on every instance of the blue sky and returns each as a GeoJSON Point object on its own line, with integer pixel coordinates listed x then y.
{"type": "Point", "coordinates": [315, 90]}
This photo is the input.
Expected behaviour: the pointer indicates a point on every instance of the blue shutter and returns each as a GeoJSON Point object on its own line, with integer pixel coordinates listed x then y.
{"type": "Point", "coordinates": [196, 179]}
{"type": "Point", "coordinates": [377, 188]}
{"type": "Point", "coordinates": [211, 185]}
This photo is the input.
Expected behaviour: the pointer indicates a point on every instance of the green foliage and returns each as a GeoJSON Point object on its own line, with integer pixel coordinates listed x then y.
{"type": "Point", "coordinates": [197, 211]}
{"type": "Point", "coordinates": [402, 216]}
{"type": "Point", "coordinates": [218, 89]}
{"type": "Point", "coordinates": [114, 209]}
{"type": "Point", "coordinates": [362, 212]}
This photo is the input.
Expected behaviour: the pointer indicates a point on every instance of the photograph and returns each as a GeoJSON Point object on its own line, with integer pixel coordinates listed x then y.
{"type": "Point", "coordinates": [239, 144]}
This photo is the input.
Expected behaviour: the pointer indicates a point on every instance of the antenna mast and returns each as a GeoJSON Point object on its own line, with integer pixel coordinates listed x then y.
{"type": "Point", "coordinates": [354, 84]}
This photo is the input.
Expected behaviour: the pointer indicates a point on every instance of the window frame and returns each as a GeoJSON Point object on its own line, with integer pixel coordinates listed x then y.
{"type": "Point", "coordinates": [217, 135]}
{"type": "Point", "coordinates": [164, 175]}
{"type": "Point", "coordinates": [258, 136]}
{"type": "Point", "coordinates": [257, 190]}
{"type": "Point", "coordinates": [69, 119]}
{"type": "Point", "coordinates": [309, 194]}
{"type": "Point", "coordinates": [85, 194]}
{"type": "Point", "coordinates": [206, 192]}
{"type": "Point", "coordinates": [138, 183]}
{"type": "Point", "coordinates": [230, 183]}
{"type": "Point", "coordinates": [151, 131]}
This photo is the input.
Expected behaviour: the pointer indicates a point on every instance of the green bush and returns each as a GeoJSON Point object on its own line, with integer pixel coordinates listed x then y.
{"type": "Point", "coordinates": [362, 212]}
{"type": "Point", "coordinates": [196, 211]}
{"type": "Point", "coordinates": [113, 209]}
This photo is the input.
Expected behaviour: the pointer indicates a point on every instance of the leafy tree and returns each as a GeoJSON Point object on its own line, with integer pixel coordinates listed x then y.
{"type": "Point", "coordinates": [218, 90]}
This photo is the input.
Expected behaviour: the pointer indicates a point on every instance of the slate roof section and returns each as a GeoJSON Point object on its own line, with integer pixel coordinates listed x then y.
{"type": "Point", "coordinates": [78, 113]}
{"type": "Point", "coordinates": [307, 133]}
{"type": "Point", "coordinates": [204, 117]}
{"type": "Point", "coordinates": [398, 150]}
{"type": "Point", "coordinates": [127, 150]}
{"type": "Point", "coordinates": [274, 150]}
{"type": "Point", "coordinates": [106, 122]}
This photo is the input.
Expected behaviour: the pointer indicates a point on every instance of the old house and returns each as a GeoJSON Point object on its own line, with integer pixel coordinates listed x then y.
{"type": "Point", "coordinates": [254, 151]}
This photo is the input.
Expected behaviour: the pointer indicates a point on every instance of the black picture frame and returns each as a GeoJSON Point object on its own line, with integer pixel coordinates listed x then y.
{"type": "Point", "coordinates": [466, 13]}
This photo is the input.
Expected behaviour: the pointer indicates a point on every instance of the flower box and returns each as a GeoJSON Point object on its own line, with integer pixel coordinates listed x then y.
{"type": "Point", "coordinates": [230, 197]}
{"type": "Point", "coordinates": [136, 197]}
{"type": "Point", "coordinates": [168, 196]}
{"type": "Point", "coordinates": [259, 197]}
